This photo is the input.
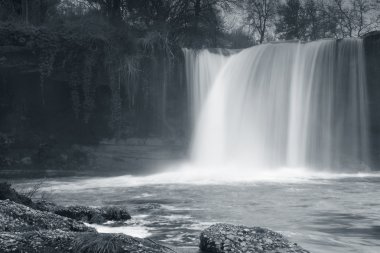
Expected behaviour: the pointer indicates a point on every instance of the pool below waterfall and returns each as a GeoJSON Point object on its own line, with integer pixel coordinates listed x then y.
{"type": "Point", "coordinates": [337, 213]}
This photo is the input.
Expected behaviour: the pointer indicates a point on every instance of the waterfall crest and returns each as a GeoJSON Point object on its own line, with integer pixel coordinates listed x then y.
{"type": "Point", "coordinates": [280, 105]}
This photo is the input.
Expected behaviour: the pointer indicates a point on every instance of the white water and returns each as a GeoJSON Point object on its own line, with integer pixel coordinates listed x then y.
{"type": "Point", "coordinates": [285, 105]}
{"type": "Point", "coordinates": [202, 67]}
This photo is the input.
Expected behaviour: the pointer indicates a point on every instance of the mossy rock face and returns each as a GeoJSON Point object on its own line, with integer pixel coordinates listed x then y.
{"type": "Point", "coordinates": [222, 238]}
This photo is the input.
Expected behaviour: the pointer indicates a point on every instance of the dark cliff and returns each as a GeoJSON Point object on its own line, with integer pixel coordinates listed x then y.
{"type": "Point", "coordinates": [372, 54]}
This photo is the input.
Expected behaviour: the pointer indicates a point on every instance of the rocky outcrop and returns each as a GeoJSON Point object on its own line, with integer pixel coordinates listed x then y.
{"type": "Point", "coordinates": [19, 218]}
{"type": "Point", "coordinates": [46, 227]}
{"type": "Point", "coordinates": [221, 238]}
{"type": "Point", "coordinates": [96, 215]}
{"type": "Point", "coordinates": [52, 241]}
{"type": "Point", "coordinates": [24, 229]}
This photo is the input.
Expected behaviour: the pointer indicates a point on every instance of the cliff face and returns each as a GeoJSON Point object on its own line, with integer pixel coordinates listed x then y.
{"type": "Point", "coordinates": [84, 87]}
{"type": "Point", "coordinates": [42, 89]}
{"type": "Point", "coordinates": [372, 54]}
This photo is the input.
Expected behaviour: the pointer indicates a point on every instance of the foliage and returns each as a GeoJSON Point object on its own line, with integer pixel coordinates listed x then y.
{"type": "Point", "coordinates": [260, 16]}
{"type": "Point", "coordinates": [291, 23]}
{"type": "Point", "coordinates": [356, 17]}
{"type": "Point", "coordinates": [30, 11]}
{"type": "Point", "coordinates": [315, 19]}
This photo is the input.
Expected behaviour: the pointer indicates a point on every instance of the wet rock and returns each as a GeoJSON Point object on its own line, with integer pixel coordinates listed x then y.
{"type": "Point", "coordinates": [23, 229]}
{"type": "Point", "coordinates": [19, 218]}
{"type": "Point", "coordinates": [58, 241]}
{"type": "Point", "coordinates": [221, 238]}
{"type": "Point", "coordinates": [46, 229]}
{"type": "Point", "coordinates": [118, 243]}
{"type": "Point", "coordinates": [52, 241]}
{"type": "Point", "coordinates": [96, 215]}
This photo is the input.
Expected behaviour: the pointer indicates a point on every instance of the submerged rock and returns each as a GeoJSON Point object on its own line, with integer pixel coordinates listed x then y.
{"type": "Point", "coordinates": [16, 217]}
{"type": "Point", "coordinates": [221, 238]}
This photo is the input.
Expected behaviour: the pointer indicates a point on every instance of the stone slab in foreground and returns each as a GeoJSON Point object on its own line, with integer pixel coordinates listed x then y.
{"type": "Point", "coordinates": [58, 241]}
{"type": "Point", "coordinates": [221, 238]}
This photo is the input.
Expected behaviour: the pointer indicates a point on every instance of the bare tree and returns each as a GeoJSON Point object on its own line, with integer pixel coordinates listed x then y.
{"type": "Point", "coordinates": [356, 17]}
{"type": "Point", "coordinates": [260, 15]}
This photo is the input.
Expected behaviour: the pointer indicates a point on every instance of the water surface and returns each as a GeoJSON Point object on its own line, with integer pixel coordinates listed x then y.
{"type": "Point", "coordinates": [330, 214]}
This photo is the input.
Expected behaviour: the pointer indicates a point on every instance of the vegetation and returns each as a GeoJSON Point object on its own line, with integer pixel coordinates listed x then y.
{"type": "Point", "coordinates": [311, 19]}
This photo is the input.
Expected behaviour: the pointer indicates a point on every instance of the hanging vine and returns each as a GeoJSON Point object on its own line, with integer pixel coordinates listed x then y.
{"type": "Point", "coordinates": [75, 85]}
{"type": "Point", "coordinates": [88, 87]}
{"type": "Point", "coordinates": [116, 108]}
{"type": "Point", "coordinates": [47, 59]}
{"type": "Point", "coordinates": [130, 68]}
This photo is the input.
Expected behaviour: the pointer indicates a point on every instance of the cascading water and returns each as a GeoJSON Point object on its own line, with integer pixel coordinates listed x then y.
{"type": "Point", "coordinates": [202, 67]}
{"type": "Point", "coordinates": [298, 105]}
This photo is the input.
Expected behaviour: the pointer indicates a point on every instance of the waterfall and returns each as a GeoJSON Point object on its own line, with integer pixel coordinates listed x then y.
{"type": "Point", "coordinates": [298, 105]}
{"type": "Point", "coordinates": [202, 67]}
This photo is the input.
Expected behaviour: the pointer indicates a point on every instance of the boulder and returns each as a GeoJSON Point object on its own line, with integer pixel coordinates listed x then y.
{"type": "Point", "coordinates": [16, 217]}
{"type": "Point", "coordinates": [96, 215]}
{"type": "Point", "coordinates": [221, 238]}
